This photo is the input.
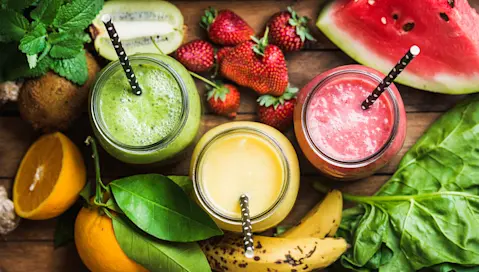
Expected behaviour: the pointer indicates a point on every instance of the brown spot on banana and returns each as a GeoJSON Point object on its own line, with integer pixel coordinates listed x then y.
{"type": "Point", "coordinates": [282, 254]}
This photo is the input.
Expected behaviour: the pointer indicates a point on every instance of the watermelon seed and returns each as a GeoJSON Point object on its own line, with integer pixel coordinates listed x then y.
{"type": "Point", "coordinates": [444, 16]}
{"type": "Point", "coordinates": [395, 16]}
{"type": "Point", "coordinates": [408, 27]}
{"type": "Point", "coordinates": [451, 3]}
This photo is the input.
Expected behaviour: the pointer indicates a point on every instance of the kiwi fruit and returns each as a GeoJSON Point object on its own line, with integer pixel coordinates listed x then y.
{"type": "Point", "coordinates": [137, 22]}
{"type": "Point", "coordinates": [51, 102]}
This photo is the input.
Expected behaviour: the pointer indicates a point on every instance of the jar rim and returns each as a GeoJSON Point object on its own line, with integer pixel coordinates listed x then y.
{"type": "Point", "coordinates": [114, 67]}
{"type": "Point", "coordinates": [200, 192]}
{"type": "Point", "coordinates": [334, 74]}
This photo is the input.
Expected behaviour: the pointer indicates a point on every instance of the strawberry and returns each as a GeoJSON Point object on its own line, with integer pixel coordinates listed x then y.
{"type": "Point", "coordinates": [221, 53]}
{"type": "Point", "coordinates": [289, 31]}
{"type": "Point", "coordinates": [277, 111]}
{"type": "Point", "coordinates": [197, 56]}
{"type": "Point", "coordinates": [226, 27]}
{"type": "Point", "coordinates": [224, 100]}
{"type": "Point", "coordinates": [257, 65]}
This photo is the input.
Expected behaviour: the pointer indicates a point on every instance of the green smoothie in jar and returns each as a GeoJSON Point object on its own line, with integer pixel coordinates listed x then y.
{"type": "Point", "coordinates": [151, 127]}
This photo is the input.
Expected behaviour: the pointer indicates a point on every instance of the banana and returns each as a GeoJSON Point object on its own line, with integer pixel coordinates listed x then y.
{"type": "Point", "coordinates": [323, 220]}
{"type": "Point", "coordinates": [273, 253]}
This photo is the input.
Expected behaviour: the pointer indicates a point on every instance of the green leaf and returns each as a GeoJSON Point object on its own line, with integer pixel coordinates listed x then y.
{"type": "Point", "coordinates": [86, 192]}
{"type": "Point", "coordinates": [161, 208]}
{"type": "Point", "coordinates": [57, 37]}
{"type": "Point", "coordinates": [46, 11]}
{"type": "Point", "coordinates": [64, 231]}
{"type": "Point", "coordinates": [8, 57]}
{"type": "Point", "coordinates": [14, 25]}
{"type": "Point", "coordinates": [112, 205]}
{"type": "Point", "coordinates": [20, 5]}
{"type": "Point", "coordinates": [74, 69]}
{"type": "Point", "coordinates": [156, 255]}
{"type": "Point", "coordinates": [184, 182]}
{"type": "Point", "coordinates": [32, 60]}
{"type": "Point", "coordinates": [35, 41]}
{"type": "Point", "coordinates": [77, 15]}
{"type": "Point", "coordinates": [67, 48]}
{"type": "Point", "coordinates": [20, 68]}
{"type": "Point", "coordinates": [428, 212]}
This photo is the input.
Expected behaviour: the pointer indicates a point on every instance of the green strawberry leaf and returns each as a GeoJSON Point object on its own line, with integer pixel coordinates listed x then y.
{"type": "Point", "coordinates": [35, 41]}
{"type": "Point", "coordinates": [77, 14]}
{"type": "Point", "coordinates": [74, 69]}
{"type": "Point", "coordinates": [68, 48]}
{"type": "Point", "coordinates": [13, 25]}
{"type": "Point", "coordinates": [46, 11]}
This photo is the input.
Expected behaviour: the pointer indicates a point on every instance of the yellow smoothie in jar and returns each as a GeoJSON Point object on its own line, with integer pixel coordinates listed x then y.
{"type": "Point", "coordinates": [245, 158]}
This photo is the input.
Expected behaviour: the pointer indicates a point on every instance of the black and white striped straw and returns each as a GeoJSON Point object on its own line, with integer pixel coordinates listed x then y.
{"type": "Point", "coordinates": [122, 57]}
{"type": "Point", "coordinates": [393, 74]}
{"type": "Point", "coordinates": [247, 230]}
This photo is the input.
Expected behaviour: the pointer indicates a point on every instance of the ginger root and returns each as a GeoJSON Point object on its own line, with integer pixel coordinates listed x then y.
{"type": "Point", "coordinates": [8, 219]}
{"type": "Point", "coordinates": [9, 91]}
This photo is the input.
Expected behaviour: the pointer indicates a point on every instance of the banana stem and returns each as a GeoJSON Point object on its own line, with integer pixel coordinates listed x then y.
{"type": "Point", "coordinates": [99, 184]}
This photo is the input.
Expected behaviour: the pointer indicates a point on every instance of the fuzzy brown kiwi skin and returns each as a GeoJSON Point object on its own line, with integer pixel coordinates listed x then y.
{"type": "Point", "coordinates": [51, 102]}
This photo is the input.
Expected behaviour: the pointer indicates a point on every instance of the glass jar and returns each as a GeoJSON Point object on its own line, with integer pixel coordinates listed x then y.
{"type": "Point", "coordinates": [339, 138]}
{"type": "Point", "coordinates": [245, 158]}
{"type": "Point", "coordinates": [152, 127]}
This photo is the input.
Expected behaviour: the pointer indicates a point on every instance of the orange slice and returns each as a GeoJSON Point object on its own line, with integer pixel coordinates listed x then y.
{"type": "Point", "coordinates": [49, 179]}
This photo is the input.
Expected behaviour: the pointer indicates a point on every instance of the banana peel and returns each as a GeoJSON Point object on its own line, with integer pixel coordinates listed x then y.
{"type": "Point", "coordinates": [323, 220]}
{"type": "Point", "coordinates": [273, 253]}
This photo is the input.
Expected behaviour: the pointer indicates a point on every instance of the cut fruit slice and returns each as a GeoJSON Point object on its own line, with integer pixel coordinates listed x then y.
{"type": "Point", "coordinates": [136, 23]}
{"type": "Point", "coordinates": [378, 33]}
{"type": "Point", "coordinates": [49, 179]}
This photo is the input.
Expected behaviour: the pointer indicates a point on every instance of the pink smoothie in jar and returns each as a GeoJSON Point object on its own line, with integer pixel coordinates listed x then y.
{"type": "Point", "coordinates": [340, 138]}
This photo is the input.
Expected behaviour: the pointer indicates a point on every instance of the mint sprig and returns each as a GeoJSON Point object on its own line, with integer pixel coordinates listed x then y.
{"type": "Point", "coordinates": [51, 40]}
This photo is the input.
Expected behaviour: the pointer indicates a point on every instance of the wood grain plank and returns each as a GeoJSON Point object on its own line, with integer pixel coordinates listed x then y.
{"type": "Point", "coordinates": [38, 257]}
{"type": "Point", "coordinates": [19, 136]}
{"type": "Point", "coordinates": [256, 13]}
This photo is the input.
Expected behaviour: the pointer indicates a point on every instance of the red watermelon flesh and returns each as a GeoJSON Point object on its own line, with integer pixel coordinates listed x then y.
{"type": "Point", "coordinates": [377, 33]}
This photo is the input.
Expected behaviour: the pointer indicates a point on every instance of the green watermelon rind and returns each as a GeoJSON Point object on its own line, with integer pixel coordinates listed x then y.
{"type": "Point", "coordinates": [449, 85]}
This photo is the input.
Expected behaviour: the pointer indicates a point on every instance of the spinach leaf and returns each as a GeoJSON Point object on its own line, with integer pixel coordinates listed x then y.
{"type": "Point", "coordinates": [157, 255]}
{"type": "Point", "coordinates": [161, 208]}
{"type": "Point", "coordinates": [427, 214]}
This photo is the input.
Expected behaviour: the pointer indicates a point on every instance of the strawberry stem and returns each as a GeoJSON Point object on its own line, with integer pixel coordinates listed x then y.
{"type": "Point", "coordinates": [209, 82]}
{"type": "Point", "coordinates": [261, 43]}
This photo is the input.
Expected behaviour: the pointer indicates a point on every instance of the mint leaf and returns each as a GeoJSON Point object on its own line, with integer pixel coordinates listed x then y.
{"type": "Point", "coordinates": [85, 37]}
{"type": "Point", "coordinates": [13, 25]}
{"type": "Point", "coordinates": [57, 37]}
{"type": "Point", "coordinates": [20, 5]}
{"type": "Point", "coordinates": [35, 41]}
{"type": "Point", "coordinates": [20, 69]}
{"type": "Point", "coordinates": [46, 11]}
{"type": "Point", "coordinates": [68, 48]}
{"type": "Point", "coordinates": [74, 69]}
{"type": "Point", "coordinates": [77, 15]}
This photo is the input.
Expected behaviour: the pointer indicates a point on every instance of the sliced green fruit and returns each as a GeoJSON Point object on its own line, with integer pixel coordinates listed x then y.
{"type": "Point", "coordinates": [137, 22]}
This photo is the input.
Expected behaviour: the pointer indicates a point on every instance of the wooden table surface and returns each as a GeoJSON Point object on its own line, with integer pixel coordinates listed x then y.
{"type": "Point", "coordinates": [30, 247]}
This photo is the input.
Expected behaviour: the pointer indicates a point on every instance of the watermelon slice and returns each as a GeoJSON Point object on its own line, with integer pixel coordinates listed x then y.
{"type": "Point", "coordinates": [377, 33]}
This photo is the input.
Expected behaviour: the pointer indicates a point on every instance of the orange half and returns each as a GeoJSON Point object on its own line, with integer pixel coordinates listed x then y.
{"type": "Point", "coordinates": [50, 177]}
